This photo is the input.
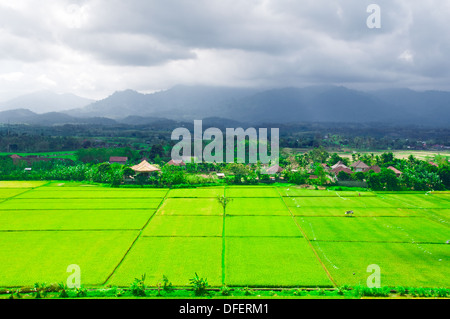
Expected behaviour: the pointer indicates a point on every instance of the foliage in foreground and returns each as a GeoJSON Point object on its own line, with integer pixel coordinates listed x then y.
{"type": "Point", "coordinates": [200, 288]}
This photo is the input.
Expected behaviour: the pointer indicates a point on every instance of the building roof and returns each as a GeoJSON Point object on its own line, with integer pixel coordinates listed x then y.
{"type": "Point", "coordinates": [15, 156]}
{"type": "Point", "coordinates": [433, 163]}
{"type": "Point", "coordinates": [338, 164]}
{"type": "Point", "coordinates": [359, 164]}
{"type": "Point", "coordinates": [273, 170]}
{"type": "Point", "coordinates": [118, 159]}
{"type": "Point", "coordinates": [145, 167]}
{"type": "Point", "coordinates": [374, 168]}
{"type": "Point", "coordinates": [176, 163]}
{"type": "Point", "coordinates": [344, 168]}
{"type": "Point", "coordinates": [396, 171]}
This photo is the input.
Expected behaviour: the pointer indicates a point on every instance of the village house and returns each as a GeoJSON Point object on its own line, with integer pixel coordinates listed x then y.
{"type": "Point", "coordinates": [396, 171]}
{"type": "Point", "coordinates": [176, 163]}
{"type": "Point", "coordinates": [359, 166]}
{"type": "Point", "coordinates": [273, 170]}
{"type": "Point", "coordinates": [341, 168]}
{"type": "Point", "coordinates": [374, 168]}
{"type": "Point", "coordinates": [340, 163]}
{"type": "Point", "coordinates": [118, 160]}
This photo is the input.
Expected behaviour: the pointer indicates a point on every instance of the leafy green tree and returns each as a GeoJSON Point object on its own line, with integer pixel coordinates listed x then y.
{"type": "Point", "coordinates": [298, 178]}
{"type": "Point", "coordinates": [387, 158]}
{"type": "Point", "coordinates": [389, 179]}
{"type": "Point", "coordinates": [344, 176]}
{"type": "Point", "coordinates": [173, 175]}
{"type": "Point", "coordinates": [157, 150]}
{"type": "Point", "coordinates": [334, 159]}
{"type": "Point", "coordinates": [359, 176]}
{"type": "Point", "coordinates": [374, 181]}
{"type": "Point", "coordinates": [239, 171]}
{"type": "Point", "coordinates": [104, 167]}
{"type": "Point", "coordinates": [444, 174]}
{"type": "Point", "coordinates": [319, 171]}
{"type": "Point", "coordinates": [318, 155]}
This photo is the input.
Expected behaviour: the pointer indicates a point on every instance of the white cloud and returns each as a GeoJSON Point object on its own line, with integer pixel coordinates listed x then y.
{"type": "Point", "coordinates": [407, 56]}
{"type": "Point", "coordinates": [95, 47]}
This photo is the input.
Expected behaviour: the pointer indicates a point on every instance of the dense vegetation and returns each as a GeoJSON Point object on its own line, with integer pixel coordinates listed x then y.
{"type": "Point", "coordinates": [367, 137]}
{"type": "Point", "coordinates": [92, 165]}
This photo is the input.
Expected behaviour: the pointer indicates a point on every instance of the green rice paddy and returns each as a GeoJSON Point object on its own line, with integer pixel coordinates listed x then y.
{"type": "Point", "coordinates": [265, 236]}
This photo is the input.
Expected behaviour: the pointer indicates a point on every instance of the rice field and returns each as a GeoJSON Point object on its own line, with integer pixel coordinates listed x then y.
{"type": "Point", "coordinates": [264, 237]}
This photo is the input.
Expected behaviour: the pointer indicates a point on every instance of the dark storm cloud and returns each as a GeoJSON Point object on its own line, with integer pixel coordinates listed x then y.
{"type": "Point", "coordinates": [232, 42]}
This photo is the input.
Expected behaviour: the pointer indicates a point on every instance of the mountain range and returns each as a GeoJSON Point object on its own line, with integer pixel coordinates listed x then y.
{"type": "Point", "coordinates": [46, 101]}
{"type": "Point", "coordinates": [282, 105]}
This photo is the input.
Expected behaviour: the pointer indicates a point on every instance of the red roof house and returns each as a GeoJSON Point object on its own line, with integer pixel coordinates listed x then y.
{"type": "Point", "coordinates": [396, 171]}
{"type": "Point", "coordinates": [342, 168]}
{"type": "Point", "coordinates": [176, 163]}
{"type": "Point", "coordinates": [118, 159]}
{"type": "Point", "coordinates": [374, 168]}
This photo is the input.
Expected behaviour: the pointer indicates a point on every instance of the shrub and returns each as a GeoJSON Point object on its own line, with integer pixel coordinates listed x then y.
{"type": "Point", "coordinates": [225, 291]}
{"type": "Point", "coordinates": [167, 285]}
{"type": "Point", "coordinates": [81, 292]}
{"type": "Point", "coordinates": [401, 291]}
{"type": "Point", "coordinates": [199, 286]}
{"type": "Point", "coordinates": [40, 290]}
{"type": "Point", "coordinates": [63, 291]}
{"type": "Point", "coordinates": [138, 287]}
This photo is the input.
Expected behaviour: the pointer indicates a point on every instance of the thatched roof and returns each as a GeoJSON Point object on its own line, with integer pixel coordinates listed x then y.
{"type": "Point", "coordinates": [145, 167]}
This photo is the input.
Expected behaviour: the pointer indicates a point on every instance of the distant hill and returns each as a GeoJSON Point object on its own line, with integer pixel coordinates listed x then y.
{"type": "Point", "coordinates": [23, 116]}
{"type": "Point", "coordinates": [180, 103]}
{"type": "Point", "coordinates": [284, 105]}
{"type": "Point", "coordinates": [230, 107]}
{"type": "Point", "coordinates": [45, 101]}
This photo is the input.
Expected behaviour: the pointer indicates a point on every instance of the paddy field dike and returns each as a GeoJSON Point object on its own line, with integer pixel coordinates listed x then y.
{"type": "Point", "coordinates": [264, 237]}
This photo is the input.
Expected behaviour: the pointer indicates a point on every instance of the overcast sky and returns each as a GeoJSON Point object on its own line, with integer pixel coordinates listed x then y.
{"type": "Point", "coordinates": [95, 47]}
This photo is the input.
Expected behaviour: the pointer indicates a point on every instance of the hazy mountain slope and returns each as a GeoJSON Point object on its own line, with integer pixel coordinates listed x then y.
{"type": "Point", "coordinates": [180, 102]}
{"type": "Point", "coordinates": [285, 105]}
{"type": "Point", "coordinates": [23, 116]}
{"type": "Point", "coordinates": [45, 101]}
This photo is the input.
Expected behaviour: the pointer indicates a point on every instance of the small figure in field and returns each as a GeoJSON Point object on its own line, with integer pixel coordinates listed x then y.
{"type": "Point", "coordinates": [349, 213]}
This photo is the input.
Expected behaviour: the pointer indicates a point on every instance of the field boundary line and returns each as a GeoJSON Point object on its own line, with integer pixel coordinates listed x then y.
{"type": "Point", "coordinates": [223, 237]}
{"type": "Point", "coordinates": [308, 241]}
{"type": "Point", "coordinates": [136, 239]}
{"type": "Point", "coordinates": [13, 197]}
{"type": "Point", "coordinates": [434, 218]}
{"type": "Point", "coordinates": [66, 230]}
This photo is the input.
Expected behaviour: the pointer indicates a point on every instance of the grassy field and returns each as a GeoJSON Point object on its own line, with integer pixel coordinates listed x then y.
{"type": "Point", "coordinates": [401, 154]}
{"type": "Point", "coordinates": [67, 154]}
{"type": "Point", "coordinates": [264, 237]}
